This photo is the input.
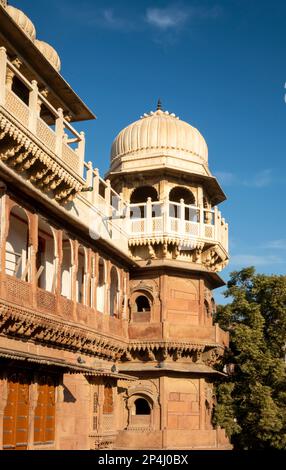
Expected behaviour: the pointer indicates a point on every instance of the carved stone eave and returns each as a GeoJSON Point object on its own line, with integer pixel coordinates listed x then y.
{"type": "Point", "coordinates": [186, 243]}
{"type": "Point", "coordinates": [24, 156]}
{"type": "Point", "coordinates": [21, 323]}
{"type": "Point", "coordinates": [169, 367]}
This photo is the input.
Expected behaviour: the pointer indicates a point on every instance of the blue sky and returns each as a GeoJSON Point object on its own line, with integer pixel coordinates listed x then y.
{"type": "Point", "coordinates": [219, 65]}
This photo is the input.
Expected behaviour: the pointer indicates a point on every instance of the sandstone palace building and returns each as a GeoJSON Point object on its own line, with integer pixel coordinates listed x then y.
{"type": "Point", "coordinates": [107, 338]}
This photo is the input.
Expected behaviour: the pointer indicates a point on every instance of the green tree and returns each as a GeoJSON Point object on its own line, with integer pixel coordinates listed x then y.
{"type": "Point", "coordinates": [251, 403]}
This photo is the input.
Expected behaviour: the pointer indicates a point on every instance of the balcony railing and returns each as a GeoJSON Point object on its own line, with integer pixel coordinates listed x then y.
{"type": "Point", "coordinates": [185, 223]}
{"type": "Point", "coordinates": [59, 137]}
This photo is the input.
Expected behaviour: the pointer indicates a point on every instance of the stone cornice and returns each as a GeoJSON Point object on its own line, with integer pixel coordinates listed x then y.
{"type": "Point", "coordinates": [21, 323]}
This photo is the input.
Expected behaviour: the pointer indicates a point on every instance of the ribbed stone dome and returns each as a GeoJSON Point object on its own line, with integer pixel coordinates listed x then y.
{"type": "Point", "coordinates": [159, 133]}
{"type": "Point", "coordinates": [50, 53]}
{"type": "Point", "coordinates": [22, 21]}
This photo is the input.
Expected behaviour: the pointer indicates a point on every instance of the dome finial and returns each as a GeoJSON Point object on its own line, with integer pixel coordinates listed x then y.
{"type": "Point", "coordinates": [159, 105]}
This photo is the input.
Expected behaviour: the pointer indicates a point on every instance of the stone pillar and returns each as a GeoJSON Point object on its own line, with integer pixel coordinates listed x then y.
{"type": "Point", "coordinates": [182, 218]}
{"type": "Point", "coordinates": [74, 268]}
{"type": "Point", "coordinates": [33, 248]}
{"type": "Point", "coordinates": [107, 193]}
{"type": "Point", "coordinates": [3, 70]}
{"type": "Point", "coordinates": [33, 107]}
{"type": "Point", "coordinates": [95, 185]}
{"type": "Point", "coordinates": [149, 216]}
{"type": "Point", "coordinates": [81, 152]}
{"type": "Point", "coordinates": [60, 129]}
{"type": "Point", "coordinates": [4, 228]}
{"type": "Point", "coordinates": [89, 180]}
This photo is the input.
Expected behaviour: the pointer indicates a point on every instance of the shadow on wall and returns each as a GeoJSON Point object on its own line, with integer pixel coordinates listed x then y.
{"type": "Point", "coordinates": [68, 396]}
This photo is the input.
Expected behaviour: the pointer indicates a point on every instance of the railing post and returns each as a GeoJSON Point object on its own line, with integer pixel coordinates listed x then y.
{"type": "Point", "coordinates": [107, 192]}
{"type": "Point", "coordinates": [81, 152]}
{"type": "Point", "coordinates": [3, 71]}
{"type": "Point", "coordinates": [182, 218]}
{"type": "Point", "coordinates": [33, 107]}
{"type": "Point", "coordinates": [166, 211]}
{"type": "Point", "coordinates": [95, 184]}
{"type": "Point", "coordinates": [89, 181]}
{"type": "Point", "coordinates": [149, 216]}
{"type": "Point", "coordinates": [60, 129]}
{"type": "Point", "coordinates": [216, 227]}
{"type": "Point", "coordinates": [202, 221]}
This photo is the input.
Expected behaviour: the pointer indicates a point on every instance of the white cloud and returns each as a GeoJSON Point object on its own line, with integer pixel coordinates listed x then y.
{"type": "Point", "coordinates": [226, 177]}
{"type": "Point", "coordinates": [110, 20]}
{"type": "Point", "coordinates": [255, 260]}
{"type": "Point", "coordinates": [175, 16]}
{"type": "Point", "coordinates": [166, 18]}
{"type": "Point", "coordinates": [276, 244]}
{"type": "Point", "coordinates": [260, 180]}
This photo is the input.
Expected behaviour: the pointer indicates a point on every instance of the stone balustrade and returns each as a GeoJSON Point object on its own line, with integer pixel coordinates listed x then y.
{"type": "Point", "coordinates": [57, 135]}
{"type": "Point", "coordinates": [178, 222]}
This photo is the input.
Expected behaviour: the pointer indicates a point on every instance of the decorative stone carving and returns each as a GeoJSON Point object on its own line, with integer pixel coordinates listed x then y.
{"type": "Point", "coordinates": [24, 156]}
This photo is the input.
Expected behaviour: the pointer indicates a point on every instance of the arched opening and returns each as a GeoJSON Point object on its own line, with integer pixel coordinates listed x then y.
{"type": "Point", "coordinates": [142, 407]}
{"type": "Point", "coordinates": [100, 292]}
{"type": "Point", "coordinates": [17, 245]}
{"type": "Point", "coordinates": [45, 259]}
{"type": "Point", "coordinates": [114, 292]}
{"type": "Point", "coordinates": [140, 196]}
{"type": "Point", "coordinates": [175, 196]}
{"type": "Point", "coordinates": [213, 307]}
{"type": "Point", "coordinates": [108, 399]}
{"type": "Point", "coordinates": [142, 304]}
{"type": "Point", "coordinates": [80, 278]}
{"type": "Point", "coordinates": [207, 308]}
{"type": "Point", "coordinates": [142, 193]}
{"type": "Point", "coordinates": [66, 278]}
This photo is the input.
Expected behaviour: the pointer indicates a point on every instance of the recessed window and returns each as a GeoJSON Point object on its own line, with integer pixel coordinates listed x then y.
{"type": "Point", "coordinates": [142, 407]}
{"type": "Point", "coordinates": [142, 304]}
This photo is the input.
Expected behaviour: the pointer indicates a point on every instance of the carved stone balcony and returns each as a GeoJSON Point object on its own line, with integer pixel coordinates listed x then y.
{"type": "Point", "coordinates": [189, 228]}
{"type": "Point", "coordinates": [35, 138]}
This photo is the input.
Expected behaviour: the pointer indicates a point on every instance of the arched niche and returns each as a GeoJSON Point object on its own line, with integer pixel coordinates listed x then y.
{"type": "Point", "coordinates": [81, 275]}
{"type": "Point", "coordinates": [141, 411]}
{"type": "Point", "coordinates": [46, 257]}
{"type": "Point", "coordinates": [141, 304]}
{"type": "Point", "coordinates": [17, 259]}
{"type": "Point", "coordinates": [114, 293]}
{"type": "Point", "coordinates": [101, 286]}
{"type": "Point", "coordinates": [177, 194]}
{"type": "Point", "coordinates": [66, 269]}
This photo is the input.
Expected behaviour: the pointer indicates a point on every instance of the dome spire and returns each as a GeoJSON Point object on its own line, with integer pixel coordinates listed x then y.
{"type": "Point", "coordinates": [159, 105]}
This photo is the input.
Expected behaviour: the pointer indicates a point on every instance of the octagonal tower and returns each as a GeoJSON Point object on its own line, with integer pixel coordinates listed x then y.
{"type": "Point", "coordinates": [180, 241]}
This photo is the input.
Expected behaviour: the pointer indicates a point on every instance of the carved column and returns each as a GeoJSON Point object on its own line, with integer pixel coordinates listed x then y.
{"type": "Point", "coordinates": [60, 129]}
{"type": "Point", "coordinates": [81, 151]}
{"type": "Point", "coordinates": [95, 185]}
{"type": "Point", "coordinates": [4, 226]}
{"type": "Point", "coordinates": [33, 107]}
{"type": "Point", "coordinates": [33, 248]}
{"type": "Point", "coordinates": [74, 269]}
{"type": "Point", "coordinates": [3, 70]}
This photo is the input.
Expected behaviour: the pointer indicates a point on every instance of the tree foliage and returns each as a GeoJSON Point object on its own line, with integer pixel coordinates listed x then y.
{"type": "Point", "coordinates": [251, 404]}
